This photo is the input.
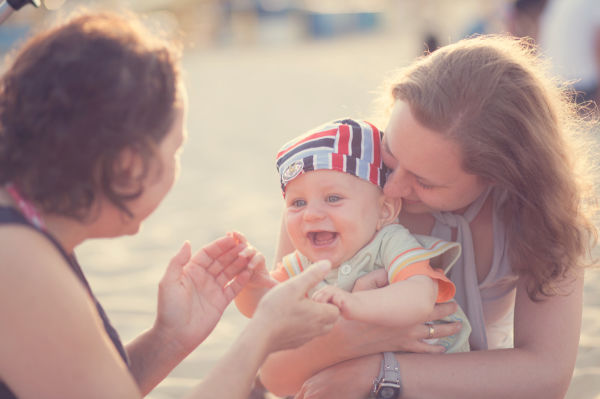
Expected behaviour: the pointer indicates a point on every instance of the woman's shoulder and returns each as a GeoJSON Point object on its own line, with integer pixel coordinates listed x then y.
{"type": "Point", "coordinates": [48, 314]}
{"type": "Point", "coordinates": [18, 238]}
{"type": "Point", "coordinates": [29, 259]}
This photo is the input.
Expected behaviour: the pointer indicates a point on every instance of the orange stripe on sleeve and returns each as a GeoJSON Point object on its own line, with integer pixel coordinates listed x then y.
{"type": "Point", "coordinates": [297, 255]}
{"type": "Point", "coordinates": [280, 274]}
{"type": "Point", "coordinates": [446, 288]}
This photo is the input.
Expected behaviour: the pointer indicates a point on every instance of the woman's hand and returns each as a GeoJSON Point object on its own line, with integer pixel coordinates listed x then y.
{"type": "Point", "coordinates": [284, 318]}
{"type": "Point", "coordinates": [195, 290]}
{"type": "Point", "coordinates": [368, 338]}
{"type": "Point", "coordinates": [289, 317]}
{"type": "Point", "coordinates": [351, 379]}
{"type": "Point", "coordinates": [284, 373]}
{"type": "Point", "coordinates": [408, 339]}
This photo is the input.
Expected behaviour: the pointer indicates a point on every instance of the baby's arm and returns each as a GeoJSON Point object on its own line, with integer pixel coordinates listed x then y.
{"type": "Point", "coordinates": [399, 304]}
{"type": "Point", "coordinates": [260, 281]}
{"type": "Point", "coordinates": [247, 300]}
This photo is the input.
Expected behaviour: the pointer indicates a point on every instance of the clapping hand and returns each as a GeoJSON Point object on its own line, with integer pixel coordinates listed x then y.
{"type": "Point", "coordinates": [195, 290]}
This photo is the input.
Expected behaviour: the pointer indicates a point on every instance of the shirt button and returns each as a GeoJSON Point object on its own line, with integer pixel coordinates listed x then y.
{"type": "Point", "coordinates": [345, 269]}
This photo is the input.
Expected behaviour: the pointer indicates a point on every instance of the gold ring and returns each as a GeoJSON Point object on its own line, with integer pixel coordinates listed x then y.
{"type": "Point", "coordinates": [431, 332]}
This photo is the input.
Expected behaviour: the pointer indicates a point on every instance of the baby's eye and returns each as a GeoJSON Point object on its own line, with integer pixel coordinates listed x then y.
{"type": "Point", "coordinates": [333, 198]}
{"type": "Point", "coordinates": [298, 203]}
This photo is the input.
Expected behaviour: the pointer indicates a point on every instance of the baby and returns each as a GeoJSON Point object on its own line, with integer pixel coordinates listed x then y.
{"type": "Point", "coordinates": [332, 179]}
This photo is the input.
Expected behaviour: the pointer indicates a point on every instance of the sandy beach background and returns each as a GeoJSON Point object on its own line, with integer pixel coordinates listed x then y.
{"type": "Point", "coordinates": [246, 99]}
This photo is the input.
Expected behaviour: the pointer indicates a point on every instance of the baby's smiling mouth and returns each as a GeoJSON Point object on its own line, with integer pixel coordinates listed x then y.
{"type": "Point", "coordinates": [322, 238]}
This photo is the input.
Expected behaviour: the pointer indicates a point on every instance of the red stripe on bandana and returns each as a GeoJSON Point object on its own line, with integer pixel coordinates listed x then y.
{"type": "Point", "coordinates": [373, 174]}
{"type": "Point", "coordinates": [344, 140]}
{"type": "Point", "coordinates": [325, 133]}
{"type": "Point", "coordinates": [337, 162]}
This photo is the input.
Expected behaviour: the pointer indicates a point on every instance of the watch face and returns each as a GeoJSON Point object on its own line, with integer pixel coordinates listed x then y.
{"type": "Point", "coordinates": [388, 393]}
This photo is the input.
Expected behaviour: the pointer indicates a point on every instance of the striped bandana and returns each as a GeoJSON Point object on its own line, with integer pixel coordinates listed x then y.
{"type": "Point", "coordinates": [346, 145]}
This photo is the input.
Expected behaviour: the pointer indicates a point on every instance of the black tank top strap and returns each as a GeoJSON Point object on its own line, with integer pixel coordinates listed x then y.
{"type": "Point", "coordinates": [10, 215]}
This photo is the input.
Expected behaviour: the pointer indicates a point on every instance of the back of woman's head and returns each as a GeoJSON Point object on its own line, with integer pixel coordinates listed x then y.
{"type": "Point", "coordinates": [515, 128]}
{"type": "Point", "coordinates": [73, 99]}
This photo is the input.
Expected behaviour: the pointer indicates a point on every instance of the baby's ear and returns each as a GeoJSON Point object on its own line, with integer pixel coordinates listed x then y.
{"type": "Point", "coordinates": [389, 210]}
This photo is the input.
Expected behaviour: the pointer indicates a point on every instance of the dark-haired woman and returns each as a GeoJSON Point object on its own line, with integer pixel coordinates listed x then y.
{"type": "Point", "coordinates": [92, 117]}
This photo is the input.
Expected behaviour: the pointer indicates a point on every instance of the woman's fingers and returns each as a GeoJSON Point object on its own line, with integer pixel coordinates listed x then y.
{"type": "Point", "coordinates": [178, 262]}
{"type": "Point", "coordinates": [309, 278]}
{"type": "Point", "coordinates": [224, 249]}
{"type": "Point", "coordinates": [441, 310]}
{"type": "Point", "coordinates": [219, 259]}
{"type": "Point", "coordinates": [294, 319]}
{"type": "Point", "coordinates": [236, 285]}
{"type": "Point", "coordinates": [442, 330]}
{"type": "Point", "coordinates": [431, 333]}
{"type": "Point", "coordinates": [238, 237]}
{"type": "Point", "coordinates": [423, 347]}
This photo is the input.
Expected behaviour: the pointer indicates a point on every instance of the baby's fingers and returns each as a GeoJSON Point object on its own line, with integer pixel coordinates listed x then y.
{"type": "Point", "coordinates": [257, 261]}
{"type": "Point", "coordinates": [322, 296]}
{"type": "Point", "coordinates": [332, 295]}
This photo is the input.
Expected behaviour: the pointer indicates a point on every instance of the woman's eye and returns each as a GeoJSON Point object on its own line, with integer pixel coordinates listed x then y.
{"type": "Point", "coordinates": [333, 198]}
{"type": "Point", "coordinates": [387, 171]}
{"type": "Point", "coordinates": [424, 185]}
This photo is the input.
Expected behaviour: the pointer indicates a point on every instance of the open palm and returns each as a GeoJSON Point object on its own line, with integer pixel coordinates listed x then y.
{"type": "Point", "coordinates": [195, 290]}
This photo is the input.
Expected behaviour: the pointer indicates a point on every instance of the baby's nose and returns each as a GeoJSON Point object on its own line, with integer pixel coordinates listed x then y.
{"type": "Point", "coordinates": [313, 212]}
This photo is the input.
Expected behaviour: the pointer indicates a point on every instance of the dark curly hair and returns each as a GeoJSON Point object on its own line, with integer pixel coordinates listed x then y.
{"type": "Point", "coordinates": [73, 99]}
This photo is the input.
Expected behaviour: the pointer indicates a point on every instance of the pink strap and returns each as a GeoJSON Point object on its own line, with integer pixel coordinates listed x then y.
{"type": "Point", "coordinates": [26, 207]}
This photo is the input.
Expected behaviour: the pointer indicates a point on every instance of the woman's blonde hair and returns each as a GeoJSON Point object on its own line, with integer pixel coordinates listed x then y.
{"type": "Point", "coordinates": [518, 129]}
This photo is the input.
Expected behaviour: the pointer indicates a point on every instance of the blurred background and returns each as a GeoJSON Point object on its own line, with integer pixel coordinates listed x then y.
{"type": "Point", "coordinates": [219, 23]}
{"type": "Point", "coordinates": [260, 72]}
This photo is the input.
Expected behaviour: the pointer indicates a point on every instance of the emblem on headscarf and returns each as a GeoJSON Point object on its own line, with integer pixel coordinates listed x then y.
{"type": "Point", "coordinates": [292, 170]}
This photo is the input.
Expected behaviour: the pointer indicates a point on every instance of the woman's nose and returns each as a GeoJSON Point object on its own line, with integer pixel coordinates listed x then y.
{"type": "Point", "coordinates": [397, 184]}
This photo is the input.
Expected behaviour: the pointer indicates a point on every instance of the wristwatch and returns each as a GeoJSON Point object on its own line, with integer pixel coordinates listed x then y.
{"type": "Point", "coordinates": [387, 384]}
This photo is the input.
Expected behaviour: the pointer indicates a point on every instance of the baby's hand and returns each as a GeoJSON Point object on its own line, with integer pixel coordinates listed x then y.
{"type": "Point", "coordinates": [375, 279]}
{"type": "Point", "coordinates": [260, 276]}
{"type": "Point", "coordinates": [336, 296]}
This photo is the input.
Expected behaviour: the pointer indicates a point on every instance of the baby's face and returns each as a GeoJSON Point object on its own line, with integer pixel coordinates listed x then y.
{"type": "Point", "coordinates": [331, 215]}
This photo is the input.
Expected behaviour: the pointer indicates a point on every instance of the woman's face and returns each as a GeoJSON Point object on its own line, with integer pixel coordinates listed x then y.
{"type": "Point", "coordinates": [426, 167]}
{"type": "Point", "coordinates": [163, 172]}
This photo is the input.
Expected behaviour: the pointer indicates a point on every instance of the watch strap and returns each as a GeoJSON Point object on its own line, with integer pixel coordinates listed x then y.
{"type": "Point", "coordinates": [389, 368]}
{"type": "Point", "coordinates": [389, 373]}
